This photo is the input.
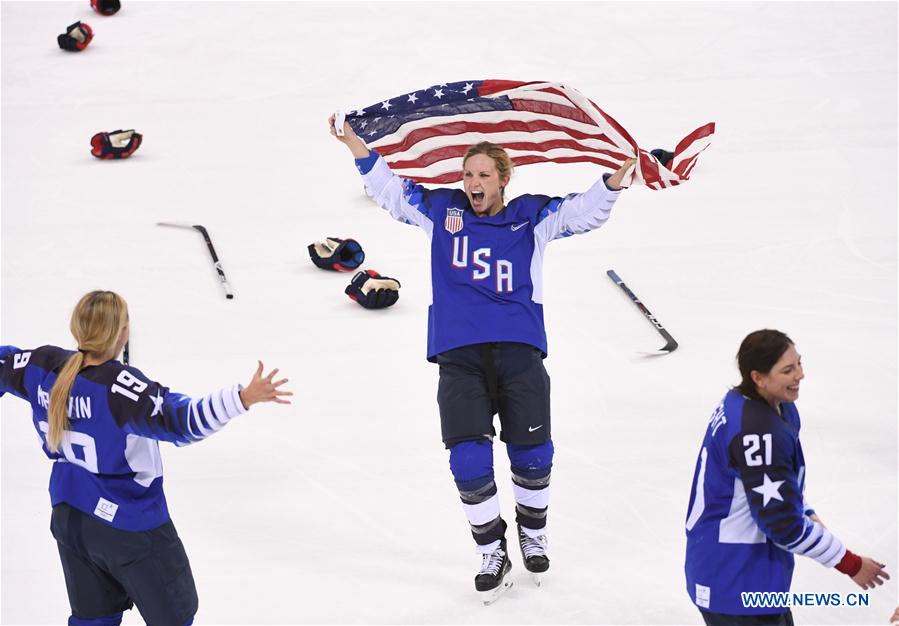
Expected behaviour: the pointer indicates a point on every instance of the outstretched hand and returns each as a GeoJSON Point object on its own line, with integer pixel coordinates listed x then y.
{"type": "Point", "coordinates": [349, 138]}
{"type": "Point", "coordinates": [871, 574]}
{"type": "Point", "coordinates": [348, 132]}
{"type": "Point", "coordinates": [264, 389]}
{"type": "Point", "coordinates": [615, 180]}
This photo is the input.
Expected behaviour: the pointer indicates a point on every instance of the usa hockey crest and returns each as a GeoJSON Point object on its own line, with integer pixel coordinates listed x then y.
{"type": "Point", "coordinates": [453, 222]}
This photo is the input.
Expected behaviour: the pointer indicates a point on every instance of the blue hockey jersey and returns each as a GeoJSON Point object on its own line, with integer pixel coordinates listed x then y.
{"type": "Point", "coordinates": [747, 515]}
{"type": "Point", "coordinates": [108, 464]}
{"type": "Point", "coordinates": [486, 272]}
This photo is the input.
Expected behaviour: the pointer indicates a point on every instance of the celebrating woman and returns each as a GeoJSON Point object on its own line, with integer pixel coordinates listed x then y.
{"type": "Point", "coordinates": [486, 331]}
{"type": "Point", "coordinates": [748, 515]}
{"type": "Point", "coordinates": [100, 422]}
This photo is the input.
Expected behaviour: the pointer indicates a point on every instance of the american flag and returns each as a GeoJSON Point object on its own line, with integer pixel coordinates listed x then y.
{"type": "Point", "coordinates": [424, 134]}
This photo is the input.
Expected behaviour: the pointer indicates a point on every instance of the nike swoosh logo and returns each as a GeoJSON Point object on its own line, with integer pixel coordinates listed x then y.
{"type": "Point", "coordinates": [517, 226]}
{"type": "Point", "coordinates": [533, 428]}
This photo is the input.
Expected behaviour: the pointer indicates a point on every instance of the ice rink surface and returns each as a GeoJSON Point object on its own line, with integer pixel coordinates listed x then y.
{"type": "Point", "coordinates": [341, 508]}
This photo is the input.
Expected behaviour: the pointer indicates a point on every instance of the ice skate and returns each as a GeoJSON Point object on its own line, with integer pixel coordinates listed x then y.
{"type": "Point", "coordinates": [533, 552]}
{"type": "Point", "coordinates": [490, 581]}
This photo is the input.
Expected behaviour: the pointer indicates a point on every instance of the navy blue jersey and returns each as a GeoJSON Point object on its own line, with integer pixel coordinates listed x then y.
{"type": "Point", "coordinates": [747, 515]}
{"type": "Point", "coordinates": [486, 272]}
{"type": "Point", "coordinates": [108, 464]}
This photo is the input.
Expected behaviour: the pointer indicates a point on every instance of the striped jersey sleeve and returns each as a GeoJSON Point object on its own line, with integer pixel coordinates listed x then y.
{"type": "Point", "coordinates": [147, 409]}
{"type": "Point", "coordinates": [764, 454]}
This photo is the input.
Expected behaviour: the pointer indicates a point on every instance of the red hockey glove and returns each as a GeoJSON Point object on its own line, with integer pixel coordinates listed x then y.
{"type": "Point", "coordinates": [76, 37]}
{"type": "Point", "coordinates": [106, 7]}
{"type": "Point", "coordinates": [119, 144]}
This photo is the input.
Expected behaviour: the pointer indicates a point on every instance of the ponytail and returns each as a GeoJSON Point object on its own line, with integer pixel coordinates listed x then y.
{"type": "Point", "coordinates": [58, 415]}
{"type": "Point", "coordinates": [97, 322]}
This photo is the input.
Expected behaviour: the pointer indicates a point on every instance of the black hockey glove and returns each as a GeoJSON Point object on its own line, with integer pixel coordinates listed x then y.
{"type": "Point", "coordinates": [662, 155]}
{"type": "Point", "coordinates": [342, 255]}
{"type": "Point", "coordinates": [76, 37]}
{"type": "Point", "coordinates": [106, 7]}
{"type": "Point", "coordinates": [372, 290]}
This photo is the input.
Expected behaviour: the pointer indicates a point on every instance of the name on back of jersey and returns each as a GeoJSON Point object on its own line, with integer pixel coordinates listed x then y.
{"type": "Point", "coordinates": [79, 406]}
{"type": "Point", "coordinates": [718, 419]}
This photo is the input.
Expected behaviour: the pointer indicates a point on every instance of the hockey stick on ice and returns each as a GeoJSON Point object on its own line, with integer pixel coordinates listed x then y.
{"type": "Point", "coordinates": [669, 347]}
{"type": "Point", "coordinates": [215, 259]}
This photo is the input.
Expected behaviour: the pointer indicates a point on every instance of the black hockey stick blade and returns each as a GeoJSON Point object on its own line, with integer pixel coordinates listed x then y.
{"type": "Point", "coordinates": [215, 259]}
{"type": "Point", "coordinates": [670, 345]}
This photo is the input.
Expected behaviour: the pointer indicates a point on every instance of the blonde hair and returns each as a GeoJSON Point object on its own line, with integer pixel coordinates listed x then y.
{"type": "Point", "coordinates": [97, 323]}
{"type": "Point", "coordinates": [500, 157]}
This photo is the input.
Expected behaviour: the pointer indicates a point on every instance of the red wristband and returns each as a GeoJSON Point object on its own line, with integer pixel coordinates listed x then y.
{"type": "Point", "coordinates": [850, 564]}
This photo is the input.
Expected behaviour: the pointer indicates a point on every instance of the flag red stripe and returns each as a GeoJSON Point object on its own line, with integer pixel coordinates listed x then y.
{"type": "Point", "coordinates": [449, 152]}
{"type": "Point", "coordinates": [490, 87]}
{"type": "Point", "coordinates": [536, 158]}
{"type": "Point", "coordinates": [689, 169]}
{"type": "Point", "coordinates": [683, 169]}
{"type": "Point", "coordinates": [485, 128]}
{"type": "Point", "coordinates": [542, 107]}
{"type": "Point", "coordinates": [649, 168]}
{"type": "Point", "coordinates": [454, 177]}
{"type": "Point", "coordinates": [700, 133]}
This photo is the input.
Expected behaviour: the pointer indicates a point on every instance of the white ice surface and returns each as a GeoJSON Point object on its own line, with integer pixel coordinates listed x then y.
{"type": "Point", "coordinates": [341, 508]}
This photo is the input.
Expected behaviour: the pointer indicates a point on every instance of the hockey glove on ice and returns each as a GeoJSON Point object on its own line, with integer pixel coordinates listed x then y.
{"type": "Point", "coordinates": [662, 155]}
{"type": "Point", "coordinates": [76, 37]}
{"type": "Point", "coordinates": [119, 144]}
{"type": "Point", "coordinates": [106, 7]}
{"type": "Point", "coordinates": [342, 255]}
{"type": "Point", "coordinates": [373, 291]}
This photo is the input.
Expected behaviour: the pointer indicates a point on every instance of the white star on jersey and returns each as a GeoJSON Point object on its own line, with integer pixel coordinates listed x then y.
{"type": "Point", "coordinates": [770, 490]}
{"type": "Point", "coordinates": [157, 404]}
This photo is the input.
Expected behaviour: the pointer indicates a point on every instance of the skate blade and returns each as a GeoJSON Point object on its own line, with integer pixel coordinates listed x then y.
{"type": "Point", "coordinates": [537, 577]}
{"type": "Point", "coordinates": [491, 596]}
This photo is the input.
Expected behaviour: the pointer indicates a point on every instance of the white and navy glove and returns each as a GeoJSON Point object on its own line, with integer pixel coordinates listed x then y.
{"type": "Point", "coordinates": [372, 290]}
{"type": "Point", "coordinates": [342, 255]}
